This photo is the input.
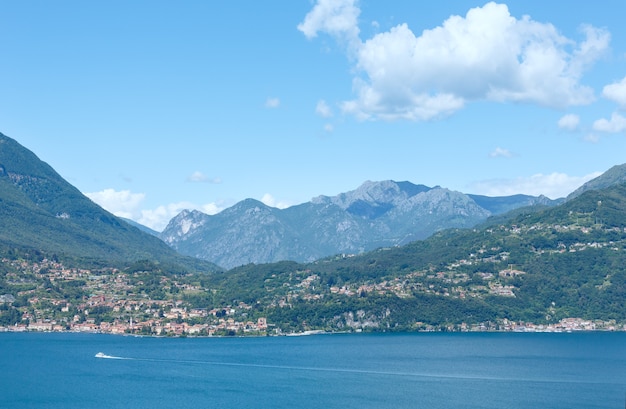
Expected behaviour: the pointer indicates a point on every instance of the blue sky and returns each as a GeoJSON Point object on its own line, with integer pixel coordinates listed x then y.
{"type": "Point", "coordinates": [151, 107]}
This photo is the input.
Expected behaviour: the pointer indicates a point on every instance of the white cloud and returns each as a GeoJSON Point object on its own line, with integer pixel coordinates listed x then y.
{"type": "Point", "coordinates": [158, 218]}
{"type": "Point", "coordinates": [128, 205]}
{"type": "Point", "coordinates": [616, 124]}
{"type": "Point", "coordinates": [500, 153]}
{"type": "Point", "coordinates": [322, 109]}
{"type": "Point", "coordinates": [486, 55]}
{"type": "Point", "coordinates": [211, 208]}
{"type": "Point", "coordinates": [338, 18]}
{"type": "Point", "coordinates": [553, 185]}
{"type": "Point", "coordinates": [616, 92]}
{"type": "Point", "coordinates": [569, 122]}
{"type": "Point", "coordinates": [269, 200]}
{"type": "Point", "coordinates": [199, 177]}
{"type": "Point", "coordinates": [272, 103]}
{"type": "Point", "coordinates": [592, 138]}
{"type": "Point", "coordinates": [121, 203]}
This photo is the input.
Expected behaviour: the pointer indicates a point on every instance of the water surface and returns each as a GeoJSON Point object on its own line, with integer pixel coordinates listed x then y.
{"type": "Point", "coordinates": [486, 370]}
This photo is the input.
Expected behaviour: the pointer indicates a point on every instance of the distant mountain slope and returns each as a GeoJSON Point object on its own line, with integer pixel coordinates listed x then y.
{"type": "Point", "coordinates": [40, 210]}
{"type": "Point", "coordinates": [377, 214]}
{"type": "Point", "coordinates": [504, 204]}
{"type": "Point", "coordinates": [613, 176]}
{"type": "Point", "coordinates": [141, 227]}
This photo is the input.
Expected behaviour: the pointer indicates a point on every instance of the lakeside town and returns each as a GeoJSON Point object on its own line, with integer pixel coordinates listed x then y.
{"type": "Point", "coordinates": [230, 327]}
{"type": "Point", "coordinates": [118, 303]}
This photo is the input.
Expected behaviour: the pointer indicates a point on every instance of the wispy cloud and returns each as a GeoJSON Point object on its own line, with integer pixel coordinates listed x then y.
{"type": "Point", "coordinates": [158, 218]}
{"type": "Point", "coordinates": [322, 109]}
{"type": "Point", "coordinates": [485, 55]}
{"type": "Point", "coordinates": [272, 103]}
{"type": "Point", "coordinates": [592, 138]}
{"type": "Point", "coordinates": [500, 153]}
{"type": "Point", "coordinates": [130, 206]}
{"type": "Point", "coordinates": [269, 200]}
{"type": "Point", "coordinates": [199, 177]}
{"type": "Point", "coordinates": [553, 185]}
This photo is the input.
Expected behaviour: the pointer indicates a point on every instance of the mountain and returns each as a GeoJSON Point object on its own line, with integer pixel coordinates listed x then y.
{"type": "Point", "coordinates": [504, 204]}
{"type": "Point", "coordinates": [141, 227]}
{"type": "Point", "coordinates": [551, 269]}
{"type": "Point", "coordinates": [41, 211]}
{"type": "Point", "coordinates": [613, 176]}
{"type": "Point", "coordinates": [376, 214]}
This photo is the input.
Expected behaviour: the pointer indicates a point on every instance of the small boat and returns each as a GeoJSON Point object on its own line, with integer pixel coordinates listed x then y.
{"type": "Point", "coordinates": [100, 355]}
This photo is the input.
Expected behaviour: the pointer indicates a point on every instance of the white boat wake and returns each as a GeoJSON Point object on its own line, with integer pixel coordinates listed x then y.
{"type": "Point", "coordinates": [349, 370]}
{"type": "Point", "coordinates": [105, 356]}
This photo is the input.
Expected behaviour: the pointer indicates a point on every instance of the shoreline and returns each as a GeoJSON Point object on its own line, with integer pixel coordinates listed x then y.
{"type": "Point", "coordinates": [15, 330]}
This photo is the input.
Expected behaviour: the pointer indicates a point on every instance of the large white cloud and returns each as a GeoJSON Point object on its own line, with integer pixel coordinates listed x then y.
{"type": "Point", "coordinates": [616, 92]}
{"type": "Point", "coordinates": [553, 185]}
{"type": "Point", "coordinates": [485, 55]}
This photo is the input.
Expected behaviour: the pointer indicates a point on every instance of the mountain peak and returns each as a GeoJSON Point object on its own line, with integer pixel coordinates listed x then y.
{"type": "Point", "coordinates": [183, 223]}
{"type": "Point", "coordinates": [386, 193]}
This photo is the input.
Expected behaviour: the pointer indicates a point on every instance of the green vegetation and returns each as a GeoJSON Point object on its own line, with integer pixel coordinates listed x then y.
{"type": "Point", "coordinates": [40, 211]}
{"type": "Point", "coordinates": [67, 264]}
{"type": "Point", "coordinates": [541, 268]}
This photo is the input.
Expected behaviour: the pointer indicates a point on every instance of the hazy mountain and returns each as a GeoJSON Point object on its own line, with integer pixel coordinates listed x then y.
{"type": "Point", "coordinates": [39, 210]}
{"type": "Point", "coordinates": [613, 176]}
{"type": "Point", "coordinates": [141, 227]}
{"type": "Point", "coordinates": [376, 214]}
{"type": "Point", "coordinates": [504, 204]}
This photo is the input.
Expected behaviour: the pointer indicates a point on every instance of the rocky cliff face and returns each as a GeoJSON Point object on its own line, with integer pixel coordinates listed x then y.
{"type": "Point", "coordinates": [377, 214]}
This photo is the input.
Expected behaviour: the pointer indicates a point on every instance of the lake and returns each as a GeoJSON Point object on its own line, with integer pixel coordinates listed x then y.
{"type": "Point", "coordinates": [426, 370]}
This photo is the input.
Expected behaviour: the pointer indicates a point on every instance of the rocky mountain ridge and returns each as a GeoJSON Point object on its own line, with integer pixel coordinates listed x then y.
{"type": "Point", "coordinates": [376, 214]}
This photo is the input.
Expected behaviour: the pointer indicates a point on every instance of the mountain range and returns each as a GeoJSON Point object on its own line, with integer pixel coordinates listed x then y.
{"type": "Point", "coordinates": [542, 261]}
{"type": "Point", "coordinates": [41, 211]}
{"type": "Point", "coordinates": [377, 214]}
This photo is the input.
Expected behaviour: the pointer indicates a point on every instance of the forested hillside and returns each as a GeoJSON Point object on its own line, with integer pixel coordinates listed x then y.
{"type": "Point", "coordinates": [41, 211]}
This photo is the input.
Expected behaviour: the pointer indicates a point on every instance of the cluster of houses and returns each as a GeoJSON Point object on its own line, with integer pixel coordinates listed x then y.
{"type": "Point", "coordinates": [110, 309]}
{"type": "Point", "coordinates": [222, 326]}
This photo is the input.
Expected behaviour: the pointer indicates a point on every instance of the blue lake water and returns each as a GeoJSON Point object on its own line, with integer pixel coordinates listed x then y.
{"type": "Point", "coordinates": [484, 370]}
